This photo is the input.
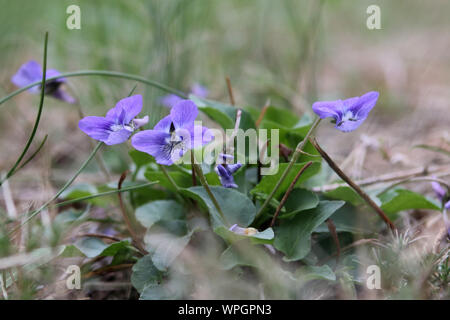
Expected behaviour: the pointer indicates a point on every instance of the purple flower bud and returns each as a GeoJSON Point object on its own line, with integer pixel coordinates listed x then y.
{"type": "Point", "coordinates": [225, 171]}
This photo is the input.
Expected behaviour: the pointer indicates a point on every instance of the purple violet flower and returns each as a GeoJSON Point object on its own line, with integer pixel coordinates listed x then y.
{"type": "Point", "coordinates": [31, 72]}
{"type": "Point", "coordinates": [225, 171]}
{"type": "Point", "coordinates": [173, 135]}
{"type": "Point", "coordinates": [118, 124]}
{"type": "Point", "coordinates": [348, 114]}
{"type": "Point", "coordinates": [172, 99]}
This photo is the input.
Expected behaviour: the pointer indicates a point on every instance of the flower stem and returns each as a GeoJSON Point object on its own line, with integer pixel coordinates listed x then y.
{"type": "Point", "coordinates": [172, 182]}
{"type": "Point", "coordinates": [32, 214]}
{"type": "Point", "coordinates": [107, 73]}
{"type": "Point", "coordinates": [205, 185]}
{"type": "Point", "coordinates": [294, 159]}
{"type": "Point", "coordinates": [353, 185]}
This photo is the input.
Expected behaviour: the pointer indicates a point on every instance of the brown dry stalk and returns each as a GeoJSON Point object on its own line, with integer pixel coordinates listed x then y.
{"type": "Point", "coordinates": [230, 91]}
{"type": "Point", "coordinates": [288, 192]}
{"type": "Point", "coordinates": [99, 235]}
{"type": "Point", "coordinates": [108, 269]}
{"type": "Point", "coordinates": [263, 112]}
{"type": "Point", "coordinates": [332, 228]}
{"type": "Point", "coordinates": [133, 234]}
{"type": "Point", "coordinates": [352, 184]}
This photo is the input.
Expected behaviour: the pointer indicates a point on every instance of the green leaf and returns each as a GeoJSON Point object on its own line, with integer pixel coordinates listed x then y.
{"type": "Point", "coordinates": [230, 258]}
{"type": "Point", "coordinates": [268, 182]}
{"type": "Point", "coordinates": [183, 180]}
{"type": "Point", "coordinates": [223, 114]}
{"type": "Point", "coordinates": [402, 199]}
{"type": "Point", "coordinates": [155, 211]}
{"type": "Point", "coordinates": [345, 193]}
{"type": "Point", "coordinates": [145, 273]}
{"type": "Point", "coordinates": [93, 247]}
{"type": "Point", "coordinates": [164, 247]}
{"type": "Point", "coordinates": [293, 236]}
{"type": "Point", "coordinates": [261, 237]}
{"type": "Point", "coordinates": [78, 191]}
{"type": "Point", "coordinates": [281, 116]}
{"type": "Point", "coordinates": [140, 158]}
{"type": "Point", "coordinates": [299, 200]}
{"type": "Point", "coordinates": [237, 208]}
{"type": "Point", "coordinates": [308, 273]}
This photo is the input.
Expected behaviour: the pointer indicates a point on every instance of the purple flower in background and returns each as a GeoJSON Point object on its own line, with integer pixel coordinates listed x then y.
{"type": "Point", "coordinates": [172, 99]}
{"type": "Point", "coordinates": [225, 171]}
{"type": "Point", "coordinates": [348, 114]}
{"type": "Point", "coordinates": [119, 123]}
{"type": "Point", "coordinates": [31, 72]}
{"type": "Point", "coordinates": [199, 90]}
{"type": "Point", "coordinates": [174, 135]}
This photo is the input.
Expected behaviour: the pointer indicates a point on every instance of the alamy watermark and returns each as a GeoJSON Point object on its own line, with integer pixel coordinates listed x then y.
{"type": "Point", "coordinates": [73, 21]}
{"type": "Point", "coordinates": [374, 19]}
{"type": "Point", "coordinates": [373, 280]}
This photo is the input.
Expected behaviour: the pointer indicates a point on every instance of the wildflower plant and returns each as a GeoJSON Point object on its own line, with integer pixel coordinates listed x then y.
{"type": "Point", "coordinates": [285, 228]}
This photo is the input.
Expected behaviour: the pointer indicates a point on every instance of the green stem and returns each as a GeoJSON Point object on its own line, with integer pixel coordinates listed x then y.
{"type": "Point", "coordinates": [294, 159]}
{"type": "Point", "coordinates": [201, 176]}
{"type": "Point", "coordinates": [102, 194]}
{"type": "Point", "coordinates": [113, 74]}
{"type": "Point", "coordinates": [32, 214]}
{"type": "Point", "coordinates": [38, 117]}
{"type": "Point", "coordinates": [172, 182]}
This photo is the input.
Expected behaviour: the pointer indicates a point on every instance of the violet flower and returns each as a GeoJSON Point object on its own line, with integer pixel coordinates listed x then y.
{"type": "Point", "coordinates": [118, 124]}
{"type": "Point", "coordinates": [174, 135]}
{"type": "Point", "coordinates": [31, 72]}
{"type": "Point", "coordinates": [225, 171]}
{"type": "Point", "coordinates": [172, 99]}
{"type": "Point", "coordinates": [348, 114]}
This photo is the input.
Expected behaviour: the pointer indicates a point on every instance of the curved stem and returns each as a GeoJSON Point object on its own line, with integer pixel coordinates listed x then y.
{"type": "Point", "coordinates": [294, 159]}
{"type": "Point", "coordinates": [32, 214]}
{"type": "Point", "coordinates": [102, 194]}
{"type": "Point", "coordinates": [38, 116]}
{"type": "Point", "coordinates": [107, 73]}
